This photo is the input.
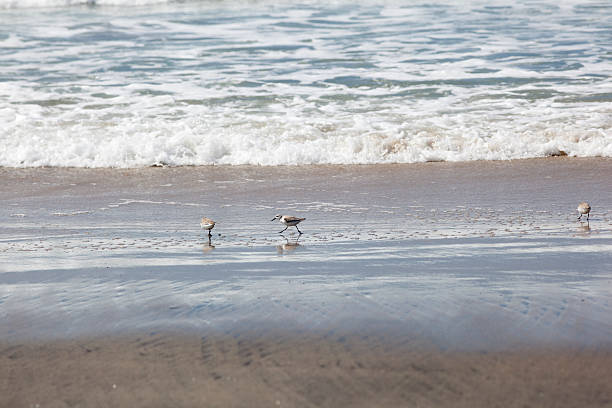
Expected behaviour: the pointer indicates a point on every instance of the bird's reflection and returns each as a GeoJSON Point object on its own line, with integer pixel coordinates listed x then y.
{"type": "Point", "coordinates": [584, 229]}
{"type": "Point", "coordinates": [208, 246]}
{"type": "Point", "coordinates": [288, 246]}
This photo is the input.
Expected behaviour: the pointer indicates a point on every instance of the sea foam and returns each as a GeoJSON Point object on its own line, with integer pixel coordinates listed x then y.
{"type": "Point", "coordinates": [287, 84]}
{"type": "Point", "coordinates": [134, 142]}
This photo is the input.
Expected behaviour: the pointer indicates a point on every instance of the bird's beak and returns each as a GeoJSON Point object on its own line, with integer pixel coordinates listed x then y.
{"type": "Point", "coordinates": [273, 219]}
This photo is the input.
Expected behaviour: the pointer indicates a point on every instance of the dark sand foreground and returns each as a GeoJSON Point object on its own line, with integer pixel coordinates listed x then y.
{"type": "Point", "coordinates": [293, 371]}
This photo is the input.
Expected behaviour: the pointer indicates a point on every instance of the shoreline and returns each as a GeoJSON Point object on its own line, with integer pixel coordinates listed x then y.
{"type": "Point", "coordinates": [551, 157]}
{"type": "Point", "coordinates": [321, 165]}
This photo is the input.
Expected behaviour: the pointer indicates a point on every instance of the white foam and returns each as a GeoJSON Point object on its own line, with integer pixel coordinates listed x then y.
{"type": "Point", "coordinates": [134, 88]}
{"type": "Point", "coordinates": [133, 142]}
{"type": "Point", "coordinates": [19, 4]}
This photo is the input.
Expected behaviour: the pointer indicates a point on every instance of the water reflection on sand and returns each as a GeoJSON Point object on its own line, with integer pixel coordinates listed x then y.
{"type": "Point", "coordinates": [584, 228]}
{"type": "Point", "coordinates": [208, 247]}
{"type": "Point", "coordinates": [461, 293]}
{"type": "Point", "coordinates": [288, 246]}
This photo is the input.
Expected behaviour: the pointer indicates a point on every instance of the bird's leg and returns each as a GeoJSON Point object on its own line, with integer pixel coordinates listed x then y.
{"type": "Point", "coordinates": [209, 234]}
{"type": "Point", "coordinates": [580, 217]}
{"type": "Point", "coordinates": [588, 215]}
{"type": "Point", "coordinates": [284, 230]}
{"type": "Point", "coordinates": [298, 230]}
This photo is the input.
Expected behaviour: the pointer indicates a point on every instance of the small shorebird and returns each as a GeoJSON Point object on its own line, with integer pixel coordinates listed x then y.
{"type": "Point", "coordinates": [289, 222]}
{"type": "Point", "coordinates": [584, 208]}
{"type": "Point", "coordinates": [207, 224]}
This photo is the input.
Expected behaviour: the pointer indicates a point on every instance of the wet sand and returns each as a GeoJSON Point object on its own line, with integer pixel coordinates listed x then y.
{"type": "Point", "coordinates": [276, 369]}
{"type": "Point", "coordinates": [437, 284]}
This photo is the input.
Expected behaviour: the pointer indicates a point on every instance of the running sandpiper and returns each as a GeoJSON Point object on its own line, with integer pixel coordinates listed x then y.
{"type": "Point", "coordinates": [289, 222]}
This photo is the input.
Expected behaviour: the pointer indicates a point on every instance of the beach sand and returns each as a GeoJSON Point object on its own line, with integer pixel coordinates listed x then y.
{"type": "Point", "coordinates": [435, 284]}
{"type": "Point", "coordinates": [276, 369]}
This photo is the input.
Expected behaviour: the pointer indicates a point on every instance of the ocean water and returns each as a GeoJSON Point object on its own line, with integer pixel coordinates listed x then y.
{"type": "Point", "coordinates": [118, 83]}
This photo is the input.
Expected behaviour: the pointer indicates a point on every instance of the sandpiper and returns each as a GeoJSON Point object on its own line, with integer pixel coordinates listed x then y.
{"type": "Point", "coordinates": [289, 222]}
{"type": "Point", "coordinates": [584, 208]}
{"type": "Point", "coordinates": [207, 224]}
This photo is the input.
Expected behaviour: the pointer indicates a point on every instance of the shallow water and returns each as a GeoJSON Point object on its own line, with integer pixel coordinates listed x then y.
{"type": "Point", "coordinates": [101, 251]}
{"type": "Point", "coordinates": [483, 293]}
{"type": "Point", "coordinates": [260, 82]}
